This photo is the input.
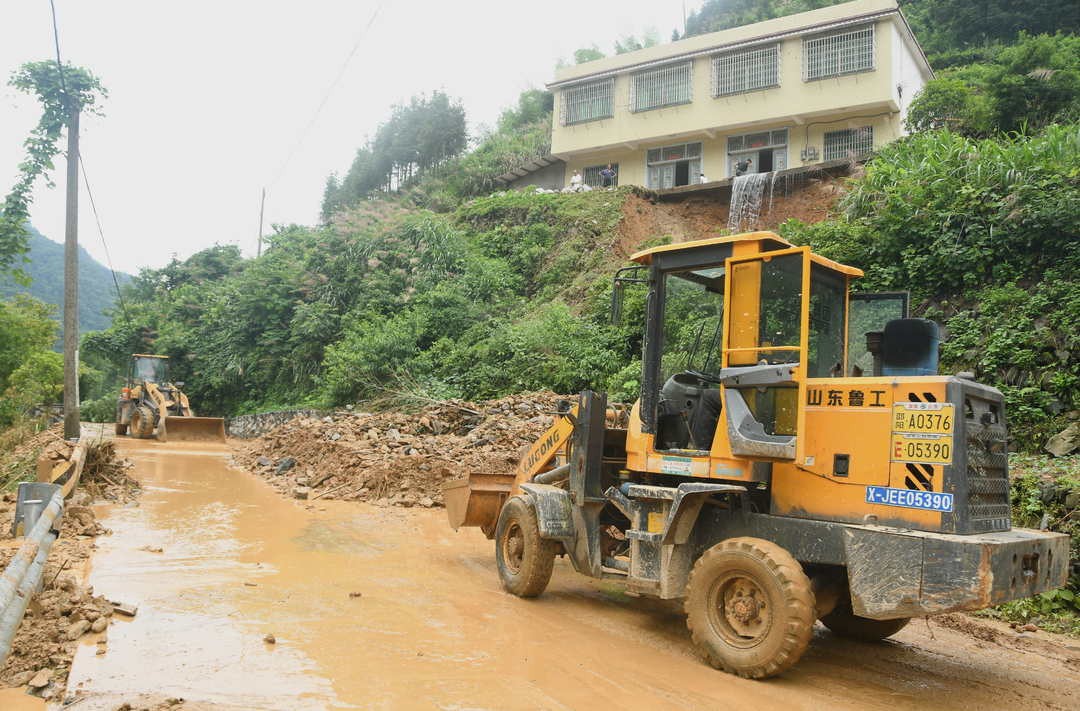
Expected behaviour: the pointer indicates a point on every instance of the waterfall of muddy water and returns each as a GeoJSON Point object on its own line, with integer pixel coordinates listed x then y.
{"type": "Point", "coordinates": [747, 193]}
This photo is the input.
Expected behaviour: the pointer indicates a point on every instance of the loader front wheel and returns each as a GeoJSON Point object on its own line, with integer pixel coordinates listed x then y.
{"type": "Point", "coordinates": [523, 558]}
{"type": "Point", "coordinates": [142, 423]}
{"type": "Point", "coordinates": [750, 608]}
{"type": "Point", "coordinates": [845, 623]}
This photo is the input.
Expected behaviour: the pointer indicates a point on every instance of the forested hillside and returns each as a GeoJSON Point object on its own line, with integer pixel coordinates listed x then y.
{"type": "Point", "coordinates": [46, 268]}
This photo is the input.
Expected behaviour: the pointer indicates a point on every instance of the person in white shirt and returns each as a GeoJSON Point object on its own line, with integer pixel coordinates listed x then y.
{"type": "Point", "coordinates": [575, 182]}
{"type": "Point", "coordinates": [703, 178]}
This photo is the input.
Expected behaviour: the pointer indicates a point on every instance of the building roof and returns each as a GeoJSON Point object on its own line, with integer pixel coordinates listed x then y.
{"type": "Point", "coordinates": [824, 19]}
{"type": "Point", "coordinates": [528, 168]}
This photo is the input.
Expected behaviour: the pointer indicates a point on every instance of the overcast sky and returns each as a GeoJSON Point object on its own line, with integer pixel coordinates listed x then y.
{"type": "Point", "coordinates": [207, 99]}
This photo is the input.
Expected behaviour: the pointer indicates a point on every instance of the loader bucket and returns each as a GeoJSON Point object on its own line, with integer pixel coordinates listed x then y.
{"type": "Point", "coordinates": [193, 429]}
{"type": "Point", "coordinates": [477, 500]}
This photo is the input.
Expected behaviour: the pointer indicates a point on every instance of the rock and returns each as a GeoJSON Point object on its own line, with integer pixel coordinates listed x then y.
{"type": "Point", "coordinates": [77, 630]}
{"type": "Point", "coordinates": [270, 639]}
{"type": "Point", "coordinates": [355, 594]}
{"type": "Point", "coordinates": [1063, 356]}
{"type": "Point", "coordinates": [21, 679]}
{"type": "Point", "coordinates": [41, 679]}
{"type": "Point", "coordinates": [301, 492]}
{"type": "Point", "coordinates": [302, 481]}
{"type": "Point", "coordinates": [328, 420]}
{"type": "Point", "coordinates": [393, 434]}
{"type": "Point", "coordinates": [348, 407]}
{"type": "Point", "coordinates": [424, 467]}
{"type": "Point", "coordinates": [320, 478]}
{"type": "Point", "coordinates": [1072, 501]}
{"type": "Point", "coordinates": [335, 437]}
{"type": "Point", "coordinates": [99, 624]}
{"type": "Point", "coordinates": [131, 505]}
{"type": "Point", "coordinates": [395, 500]}
{"type": "Point", "coordinates": [106, 610]}
{"type": "Point", "coordinates": [286, 464]}
{"type": "Point", "coordinates": [1030, 628]}
{"type": "Point", "coordinates": [413, 451]}
{"type": "Point", "coordinates": [1065, 442]}
{"type": "Point", "coordinates": [264, 462]}
{"type": "Point", "coordinates": [383, 502]}
{"type": "Point", "coordinates": [426, 502]}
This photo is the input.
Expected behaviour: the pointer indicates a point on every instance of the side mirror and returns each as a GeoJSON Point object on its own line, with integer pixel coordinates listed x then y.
{"type": "Point", "coordinates": [178, 384]}
{"type": "Point", "coordinates": [616, 302]}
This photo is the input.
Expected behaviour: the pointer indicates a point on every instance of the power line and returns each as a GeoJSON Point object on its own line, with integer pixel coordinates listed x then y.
{"type": "Point", "coordinates": [356, 47]}
{"type": "Point", "coordinates": [120, 296]}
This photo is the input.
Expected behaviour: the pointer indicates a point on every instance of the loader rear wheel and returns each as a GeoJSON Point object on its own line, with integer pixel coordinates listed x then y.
{"type": "Point", "coordinates": [750, 608]}
{"type": "Point", "coordinates": [142, 423]}
{"type": "Point", "coordinates": [523, 558]}
{"type": "Point", "coordinates": [845, 623]}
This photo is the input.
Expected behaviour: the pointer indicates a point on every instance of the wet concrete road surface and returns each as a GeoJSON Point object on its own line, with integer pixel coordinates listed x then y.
{"type": "Point", "coordinates": [432, 628]}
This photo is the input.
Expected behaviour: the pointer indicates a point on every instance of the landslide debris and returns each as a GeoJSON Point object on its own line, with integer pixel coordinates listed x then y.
{"type": "Point", "coordinates": [66, 610]}
{"type": "Point", "coordinates": [397, 458]}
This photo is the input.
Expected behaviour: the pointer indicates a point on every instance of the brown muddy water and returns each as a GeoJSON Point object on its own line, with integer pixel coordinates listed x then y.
{"type": "Point", "coordinates": [432, 628]}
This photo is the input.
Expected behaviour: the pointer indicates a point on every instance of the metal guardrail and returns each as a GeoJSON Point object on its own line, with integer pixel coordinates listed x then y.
{"type": "Point", "coordinates": [23, 574]}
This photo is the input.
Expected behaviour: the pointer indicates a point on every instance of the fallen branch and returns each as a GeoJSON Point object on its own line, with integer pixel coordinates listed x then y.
{"type": "Point", "coordinates": [331, 491]}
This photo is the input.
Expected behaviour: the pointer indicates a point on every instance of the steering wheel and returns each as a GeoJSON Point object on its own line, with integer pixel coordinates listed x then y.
{"type": "Point", "coordinates": [703, 377]}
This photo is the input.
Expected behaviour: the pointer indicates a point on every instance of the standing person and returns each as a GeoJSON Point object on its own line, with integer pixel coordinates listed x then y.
{"type": "Point", "coordinates": [575, 182]}
{"type": "Point", "coordinates": [607, 177]}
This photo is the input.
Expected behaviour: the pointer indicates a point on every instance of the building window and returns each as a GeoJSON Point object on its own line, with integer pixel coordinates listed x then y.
{"type": "Point", "coordinates": [749, 70]}
{"type": "Point", "coordinates": [592, 177]}
{"type": "Point", "coordinates": [834, 54]}
{"type": "Point", "coordinates": [664, 86]}
{"type": "Point", "coordinates": [849, 143]}
{"type": "Point", "coordinates": [587, 102]}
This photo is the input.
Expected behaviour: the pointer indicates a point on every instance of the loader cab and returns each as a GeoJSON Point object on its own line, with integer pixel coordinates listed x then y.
{"type": "Point", "coordinates": [736, 325]}
{"type": "Point", "coordinates": [149, 369]}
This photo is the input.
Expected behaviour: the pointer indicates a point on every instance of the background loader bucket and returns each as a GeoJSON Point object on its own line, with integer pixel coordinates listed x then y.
{"type": "Point", "coordinates": [193, 429]}
{"type": "Point", "coordinates": [477, 500]}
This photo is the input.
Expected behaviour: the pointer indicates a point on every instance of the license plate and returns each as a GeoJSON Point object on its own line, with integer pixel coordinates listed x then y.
{"type": "Point", "coordinates": [922, 448]}
{"type": "Point", "coordinates": [923, 417]}
{"type": "Point", "coordinates": [909, 499]}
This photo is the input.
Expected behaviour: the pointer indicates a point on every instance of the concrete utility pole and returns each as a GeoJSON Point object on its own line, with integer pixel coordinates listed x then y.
{"type": "Point", "coordinates": [71, 281]}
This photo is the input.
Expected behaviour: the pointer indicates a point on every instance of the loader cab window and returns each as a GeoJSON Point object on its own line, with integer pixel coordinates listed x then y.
{"type": "Point", "coordinates": [150, 370]}
{"type": "Point", "coordinates": [828, 292]}
{"type": "Point", "coordinates": [693, 315]}
{"type": "Point", "coordinates": [693, 319]}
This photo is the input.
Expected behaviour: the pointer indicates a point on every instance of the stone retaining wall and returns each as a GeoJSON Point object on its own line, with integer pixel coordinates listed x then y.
{"type": "Point", "coordinates": [258, 424]}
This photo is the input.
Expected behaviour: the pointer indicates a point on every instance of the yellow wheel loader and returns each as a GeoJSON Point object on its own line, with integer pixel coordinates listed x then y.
{"type": "Point", "coordinates": [794, 456]}
{"type": "Point", "coordinates": [150, 405]}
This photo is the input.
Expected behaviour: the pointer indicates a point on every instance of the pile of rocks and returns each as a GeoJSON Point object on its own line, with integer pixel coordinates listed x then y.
{"type": "Point", "coordinates": [394, 458]}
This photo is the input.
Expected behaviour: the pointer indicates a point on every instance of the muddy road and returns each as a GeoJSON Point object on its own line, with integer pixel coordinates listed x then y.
{"type": "Point", "coordinates": [216, 560]}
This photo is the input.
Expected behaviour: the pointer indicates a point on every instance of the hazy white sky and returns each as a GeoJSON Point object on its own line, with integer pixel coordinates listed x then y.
{"type": "Point", "coordinates": [207, 98]}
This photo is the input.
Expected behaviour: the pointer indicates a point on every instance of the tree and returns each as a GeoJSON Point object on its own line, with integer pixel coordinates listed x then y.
{"type": "Point", "coordinates": [943, 25]}
{"type": "Point", "coordinates": [628, 43]}
{"type": "Point", "coordinates": [588, 54]}
{"type": "Point", "coordinates": [942, 103]}
{"type": "Point", "coordinates": [57, 91]}
{"type": "Point", "coordinates": [1035, 82]}
{"type": "Point", "coordinates": [532, 105]}
{"type": "Point", "coordinates": [27, 326]}
{"type": "Point", "coordinates": [716, 15]}
{"type": "Point", "coordinates": [38, 381]}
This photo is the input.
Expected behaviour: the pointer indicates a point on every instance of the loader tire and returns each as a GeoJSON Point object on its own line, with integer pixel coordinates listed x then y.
{"type": "Point", "coordinates": [142, 423]}
{"type": "Point", "coordinates": [750, 608]}
{"type": "Point", "coordinates": [523, 558]}
{"type": "Point", "coordinates": [844, 622]}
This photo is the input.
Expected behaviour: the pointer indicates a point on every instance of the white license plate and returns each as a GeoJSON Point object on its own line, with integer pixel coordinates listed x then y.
{"type": "Point", "coordinates": [909, 498]}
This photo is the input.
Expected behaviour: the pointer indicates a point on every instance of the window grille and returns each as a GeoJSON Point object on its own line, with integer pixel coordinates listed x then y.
{"type": "Point", "coordinates": [849, 143]}
{"type": "Point", "coordinates": [735, 144]}
{"type": "Point", "coordinates": [587, 102]}
{"type": "Point", "coordinates": [749, 70]}
{"type": "Point", "coordinates": [654, 155]}
{"type": "Point", "coordinates": [664, 86]}
{"type": "Point", "coordinates": [591, 175]}
{"type": "Point", "coordinates": [679, 151]}
{"type": "Point", "coordinates": [693, 150]}
{"type": "Point", "coordinates": [831, 55]}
